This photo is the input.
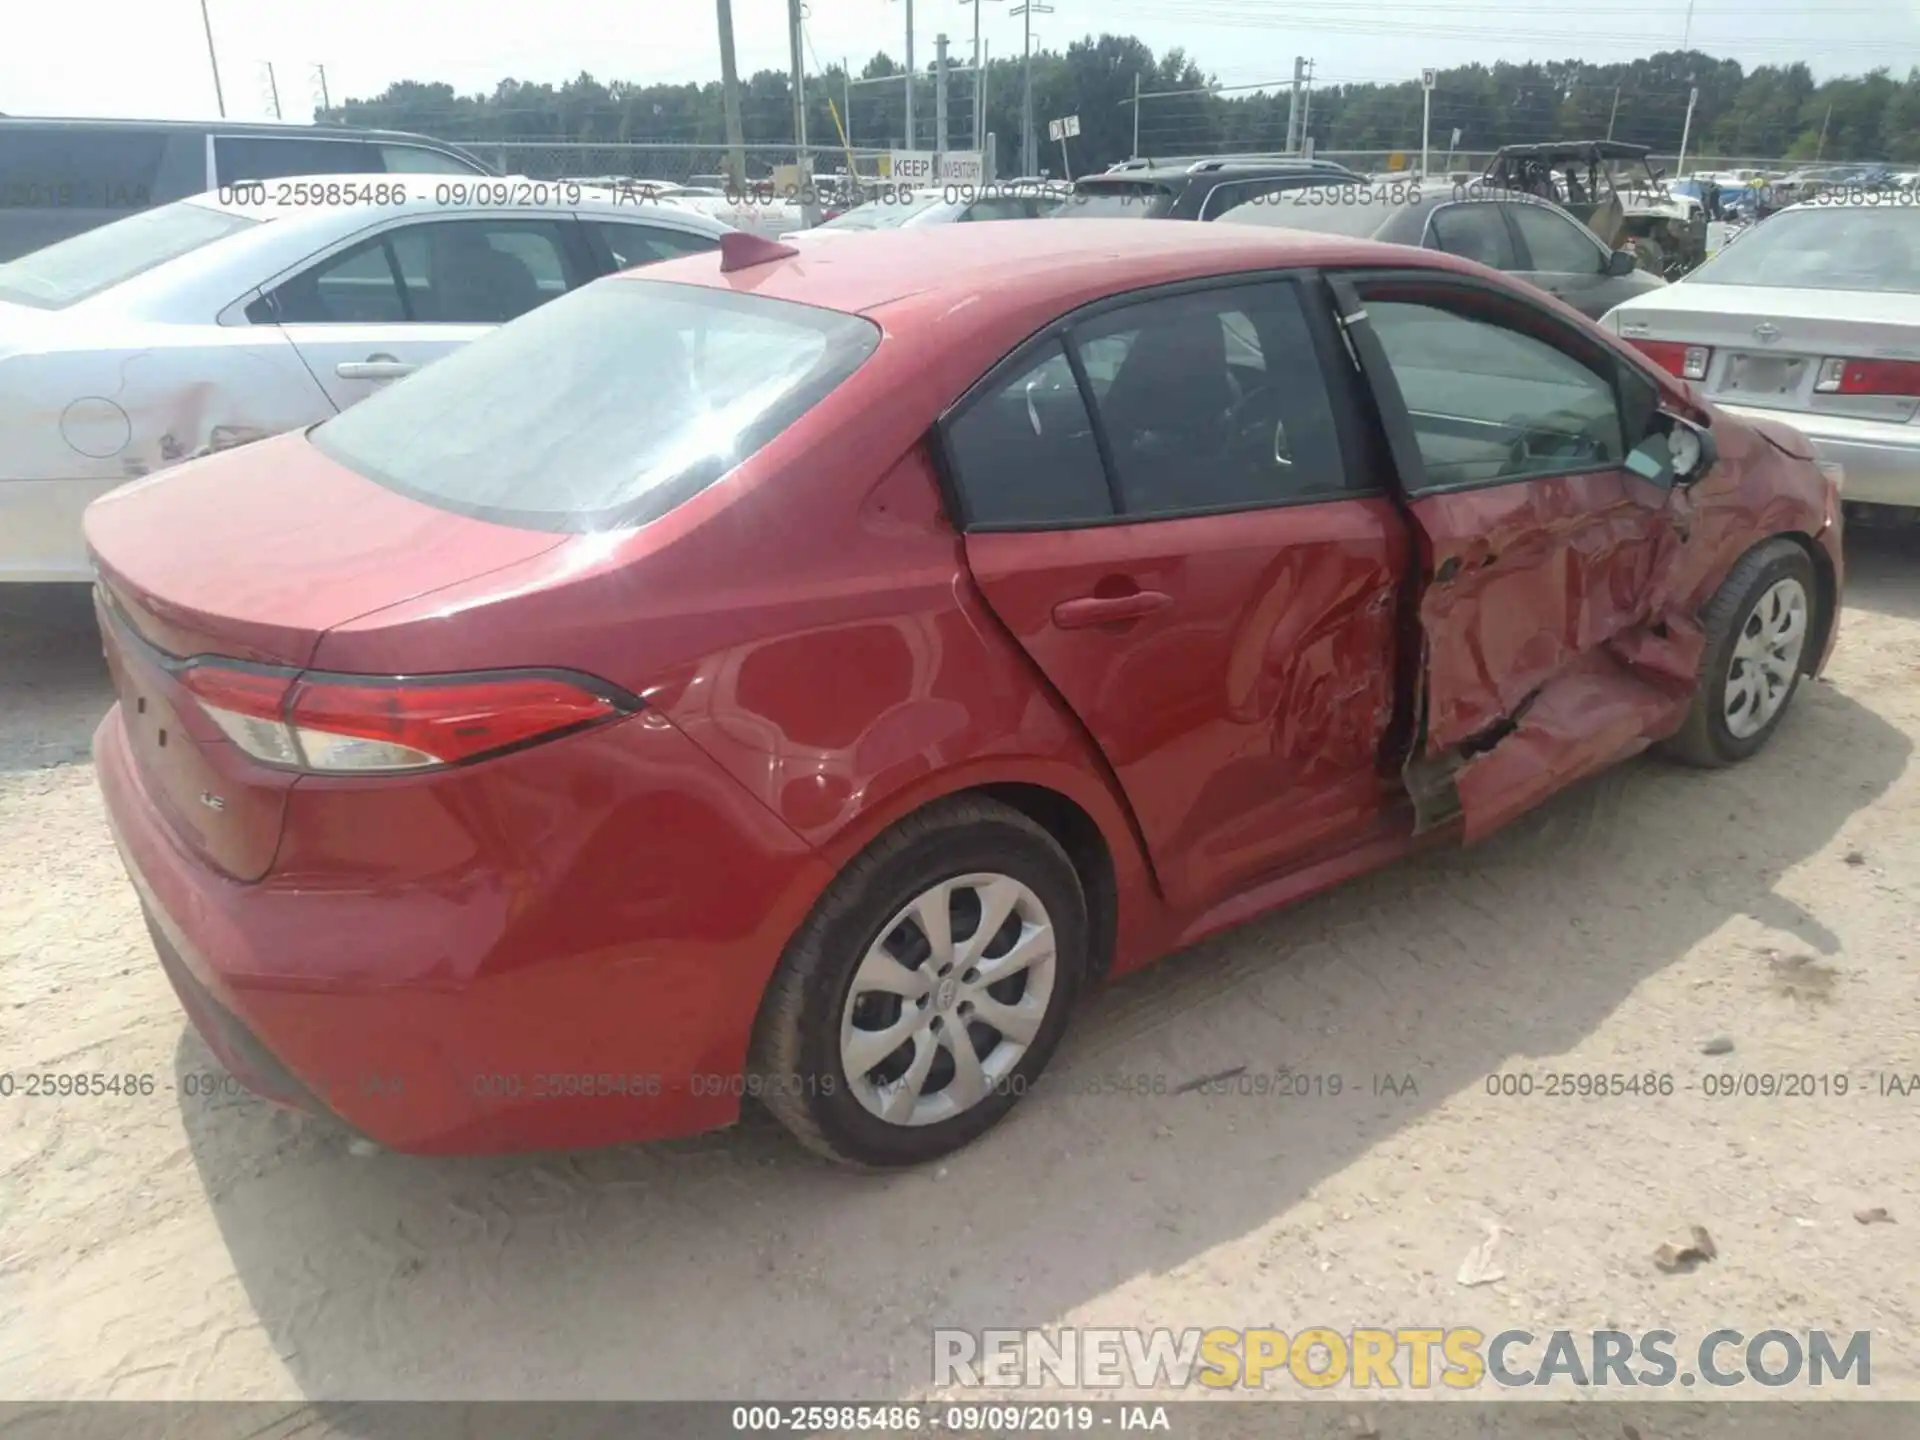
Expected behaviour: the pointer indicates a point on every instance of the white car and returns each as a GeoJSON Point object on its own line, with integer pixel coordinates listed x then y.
{"type": "Point", "coordinates": [200, 325]}
{"type": "Point", "coordinates": [893, 209]}
{"type": "Point", "coordinates": [1812, 318]}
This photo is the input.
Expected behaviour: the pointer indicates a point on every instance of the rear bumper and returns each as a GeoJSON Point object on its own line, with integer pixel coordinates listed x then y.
{"type": "Point", "coordinates": [40, 537]}
{"type": "Point", "coordinates": [1882, 461]}
{"type": "Point", "coordinates": [593, 980]}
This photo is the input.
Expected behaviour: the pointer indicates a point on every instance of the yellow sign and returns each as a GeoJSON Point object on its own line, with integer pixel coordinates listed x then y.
{"type": "Point", "coordinates": [1396, 161]}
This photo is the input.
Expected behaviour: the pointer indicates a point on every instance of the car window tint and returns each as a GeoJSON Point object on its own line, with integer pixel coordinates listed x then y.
{"type": "Point", "coordinates": [633, 244]}
{"type": "Point", "coordinates": [479, 272]}
{"type": "Point", "coordinates": [1215, 400]}
{"type": "Point", "coordinates": [1024, 453]}
{"type": "Point", "coordinates": [79, 167]}
{"type": "Point", "coordinates": [419, 160]}
{"type": "Point", "coordinates": [1476, 232]}
{"type": "Point", "coordinates": [1490, 404]}
{"type": "Point", "coordinates": [271, 157]}
{"type": "Point", "coordinates": [1555, 244]}
{"type": "Point", "coordinates": [1000, 207]}
{"type": "Point", "coordinates": [355, 287]}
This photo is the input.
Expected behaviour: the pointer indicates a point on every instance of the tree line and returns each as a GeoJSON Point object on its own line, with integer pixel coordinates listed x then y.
{"type": "Point", "coordinates": [1771, 111]}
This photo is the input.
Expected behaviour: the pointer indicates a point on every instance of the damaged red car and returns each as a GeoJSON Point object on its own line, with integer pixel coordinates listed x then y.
{"type": "Point", "coordinates": [794, 678]}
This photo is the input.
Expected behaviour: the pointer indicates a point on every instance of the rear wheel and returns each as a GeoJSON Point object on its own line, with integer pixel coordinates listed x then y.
{"type": "Point", "coordinates": [1758, 625]}
{"type": "Point", "coordinates": [928, 989]}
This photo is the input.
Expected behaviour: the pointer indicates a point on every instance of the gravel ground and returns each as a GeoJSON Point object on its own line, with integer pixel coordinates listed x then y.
{"type": "Point", "coordinates": [176, 1246]}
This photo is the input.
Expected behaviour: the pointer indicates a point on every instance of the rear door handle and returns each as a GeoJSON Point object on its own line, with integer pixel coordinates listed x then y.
{"type": "Point", "coordinates": [374, 368]}
{"type": "Point", "coordinates": [1108, 609]}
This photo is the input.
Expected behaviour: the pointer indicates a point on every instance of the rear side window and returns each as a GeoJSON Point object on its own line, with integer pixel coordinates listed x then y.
{"type": "Point", "coordinates": [1476, 232]}
{"type": "Point", "coordinates": [272, 157]}
{"type": "Point", "coordinates": [1025, 452]}
{"type": "Point", "coordinates": [419, 160]}
{"type": "Point", "coordinates": [631, 244]}
{"type": "Point", "coordinates": [79, 167]}
{"type": "Point", "coordinates": [606, 408]}
{"type": "Point", "coordinates": [1555, 245]}
{"type": "Point", "coordinates": [71, 270]}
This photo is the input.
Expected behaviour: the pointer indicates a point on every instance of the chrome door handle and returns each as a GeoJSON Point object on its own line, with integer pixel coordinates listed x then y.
{"type": "Point", "coordinates": [374, 367]}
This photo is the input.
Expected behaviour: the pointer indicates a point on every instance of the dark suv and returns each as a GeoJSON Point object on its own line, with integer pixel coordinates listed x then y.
{"type": "Point", "coordinates": [60, 177]}
{"type": "Point", "coordinates": [1202, 190]}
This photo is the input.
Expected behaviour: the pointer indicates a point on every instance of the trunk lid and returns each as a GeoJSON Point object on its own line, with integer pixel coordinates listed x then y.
{"type": "Point", "coordinates": [254, 554]}
{"type": "Point", "coordinates": [1768, 343]}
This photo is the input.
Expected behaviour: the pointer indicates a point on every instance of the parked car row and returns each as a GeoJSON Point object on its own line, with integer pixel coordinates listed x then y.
{"type": "Point", "coordinates": [798, 672]}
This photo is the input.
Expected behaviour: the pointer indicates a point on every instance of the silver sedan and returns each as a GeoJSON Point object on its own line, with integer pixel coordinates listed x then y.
{"type": "Point", "coordinates": [1813, 318]}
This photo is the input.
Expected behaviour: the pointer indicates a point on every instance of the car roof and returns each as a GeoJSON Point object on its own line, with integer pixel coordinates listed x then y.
{"type": "Point", "coordinates": [517, 192]}
{"type": "Point", "coordinates": [1013, 262]}
{"type": "Point", "coordinates": [1223, 167]}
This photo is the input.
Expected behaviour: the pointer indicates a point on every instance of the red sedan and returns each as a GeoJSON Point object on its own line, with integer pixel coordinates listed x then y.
{"type": "Point", "coordinates": [798, 676]}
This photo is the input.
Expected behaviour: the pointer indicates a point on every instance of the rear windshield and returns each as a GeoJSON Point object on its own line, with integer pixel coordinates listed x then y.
{"type": "Point", "coordinates": [884, 213]}
{"type": "Point", "coordinates": [1819, 247]}
{"type": "Point", "coordinates": [604, 408]}
{"type": "Point", "coordinates": [1136, 200]}
{"type": "Point", "coordinates": [71, 270]}
{"type": "Point", "coordinates": [1299, 209]}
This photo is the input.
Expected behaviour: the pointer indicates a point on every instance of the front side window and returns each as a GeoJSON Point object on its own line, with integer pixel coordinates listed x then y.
{"type": "Point", "coordinates": [604, 409]}
{"type": "Point", "coordinates": [1820, 247]}
{"type": "Point", "coordinates": [1474, 232]}
{"type": "Point", "coordinates": [450, 272]}
{"type": "Point", "coordinates": [1555, 244]}
{"type": "Point", "coordinates": [1491, 404]}
{"type": "Point", "coordinates": [74, 269]}
{"type": "Point", "coordinates": [238, 158]}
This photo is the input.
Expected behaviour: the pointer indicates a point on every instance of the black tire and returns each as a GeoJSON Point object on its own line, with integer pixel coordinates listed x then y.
{"type": "Point", "coordinates": [1704, 739]}
{"type": "Point", "coordinates": [795, 1066]}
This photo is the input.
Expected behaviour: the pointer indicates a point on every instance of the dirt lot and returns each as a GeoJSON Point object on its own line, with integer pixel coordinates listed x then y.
{"type": "Point", "coordinates": [180, 1246]}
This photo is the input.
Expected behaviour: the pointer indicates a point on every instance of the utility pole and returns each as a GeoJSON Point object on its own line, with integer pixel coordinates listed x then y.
{"type": "Point", "coordinates": [846, 97]}
{"type": "Point", "coordinates": [1616, 112]}
{"type": "Point", "coordinates": [326, 100]}
{"type": "Point", "coordinates": [979, 77]}
{"type": "Point", "coordinates": [910, 74]}
{"type": "Point", "coordinates": [1029, 142]}
{"type": "Point", "coordinates": [1821, 149]}
{"type": "Point", "coordinates": [214, 60]}
{"type": "Point", "coordinates": [800, 156]}
{"type": "Point", "coordinates": [1135, 154]}
{"type": "Point", "coordinates": [273, 88]}
{"type": "Point", "coordinates": [730, 97]}
{"type": "Point", "coordinates": [1293, 106]}
{"type": "Point", "coordinates": [1306, 113]}
{"type": "Point", "coordinates": [940, 94]}
{"type": "Point", "coordinates": [1427, 79]}
{"type": "Point", "coordinates": [1686, 129]}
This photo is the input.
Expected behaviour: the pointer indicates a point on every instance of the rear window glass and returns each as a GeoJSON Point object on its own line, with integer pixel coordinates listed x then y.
{"type": "Point", "coordinates": [1302, 209]}
{"type": "Point", "coordinates": [606, 408]}
{"type": "Point", "coordinates": [72, 270]}
{"type": "Point", "coordinates": [1819, 247]}
{"type": "Point", "coordinates": [1137, 201]}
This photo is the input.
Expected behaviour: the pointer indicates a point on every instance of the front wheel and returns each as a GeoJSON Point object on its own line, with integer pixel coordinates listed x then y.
{"type": "Point", "coordinates": [1758, 625]}
{"type": "Point", "coordinates": [927, 991]}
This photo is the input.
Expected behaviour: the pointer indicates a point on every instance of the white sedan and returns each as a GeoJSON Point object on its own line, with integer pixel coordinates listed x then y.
{"type": "Point", "coordinates": [900, 207]}
{"type": "Point", "coordinates": [213, 321]}
{"type": "Point", "coordinates": [1812, 318]}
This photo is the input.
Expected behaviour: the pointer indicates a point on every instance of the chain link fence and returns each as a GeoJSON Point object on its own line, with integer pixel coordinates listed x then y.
{"type": "Point", "coordinates": [654, 160]}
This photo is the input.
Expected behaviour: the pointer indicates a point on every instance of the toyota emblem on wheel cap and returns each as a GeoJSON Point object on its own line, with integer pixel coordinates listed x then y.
{"type": "Point", "coordinates": [1766, 332]}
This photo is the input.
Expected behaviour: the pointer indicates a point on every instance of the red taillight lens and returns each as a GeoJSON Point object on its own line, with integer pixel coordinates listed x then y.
{"type": "Point", "coordinates": [353, 724]}
{"type": "Point", "coordinates": [1839, 376]}
{"type": "Point", "coordinates": [1675, 357]}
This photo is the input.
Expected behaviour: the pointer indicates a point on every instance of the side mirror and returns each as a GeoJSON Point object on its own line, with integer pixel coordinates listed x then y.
{"type": "Point", "coordinates": [1676, 453]}
{"type": "Point", "coordinates": [1621, 262]}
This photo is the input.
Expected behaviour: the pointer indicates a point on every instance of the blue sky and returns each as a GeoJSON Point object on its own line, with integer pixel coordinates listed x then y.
{"type": "Point", "coordinates": [148, 57]}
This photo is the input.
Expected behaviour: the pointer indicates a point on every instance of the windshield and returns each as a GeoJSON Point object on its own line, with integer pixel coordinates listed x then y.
{"type": "Point", "coordinates": [1134, 201]}
{"type": "Point", "coordinates": [1298, 209]}
{"type": "Point", "coordinates": [605, 408]}
{"type": "Point", "coordinates": [885, 213]}
{"type": "Point", "coordinates": [1817, 247]}
{"type": "Point", "coordinates": [72, 270]}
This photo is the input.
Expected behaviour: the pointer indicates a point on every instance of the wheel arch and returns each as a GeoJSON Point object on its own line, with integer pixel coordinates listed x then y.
{"type": "Point", "coordinates": [1828, 580]}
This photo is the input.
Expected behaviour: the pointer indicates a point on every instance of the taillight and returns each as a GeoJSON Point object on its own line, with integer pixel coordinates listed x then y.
{"type": "Point", "coordinates": [1689, 362]}
{"type": "Point", "coordinates": [1838, 376]}
{"type": "Point", "coordinates": [363, 724]}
